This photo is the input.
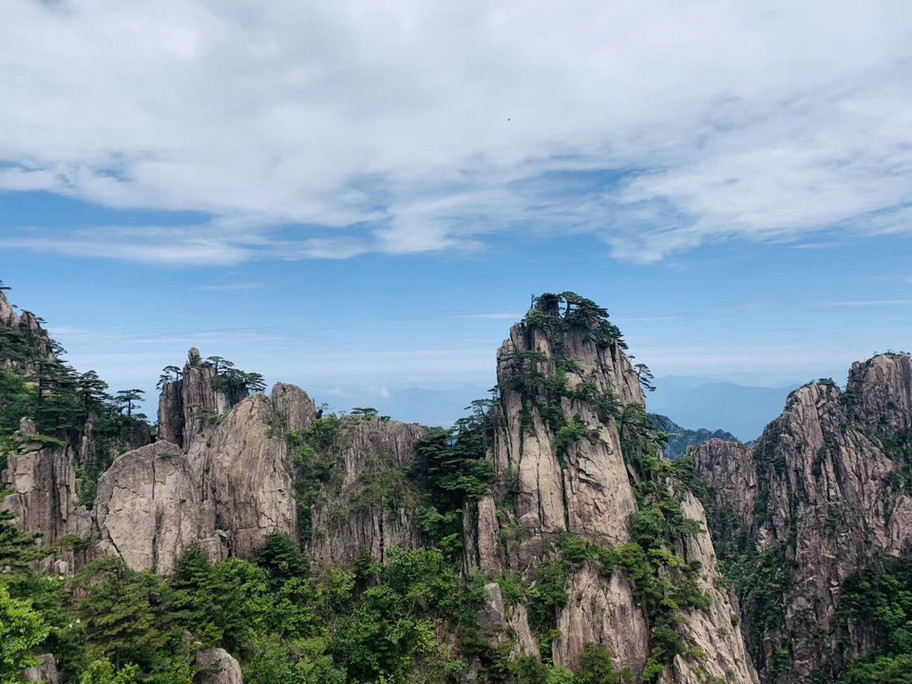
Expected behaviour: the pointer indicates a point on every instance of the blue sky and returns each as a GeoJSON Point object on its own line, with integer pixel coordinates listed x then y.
{"type": "Point", "coordinates": [362, 199]}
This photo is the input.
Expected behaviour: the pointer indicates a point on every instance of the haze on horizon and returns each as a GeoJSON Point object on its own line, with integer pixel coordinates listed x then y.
{"type": "Point", "coordinates": [361, 199]}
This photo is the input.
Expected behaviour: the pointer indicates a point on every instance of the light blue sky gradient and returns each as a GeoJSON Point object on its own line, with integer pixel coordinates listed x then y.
{"type": "Point", "coordinates": [362, 198]}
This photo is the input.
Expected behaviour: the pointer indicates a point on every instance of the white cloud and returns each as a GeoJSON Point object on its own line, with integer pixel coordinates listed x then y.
{"type": "Point", "coordinates": [420, 127]}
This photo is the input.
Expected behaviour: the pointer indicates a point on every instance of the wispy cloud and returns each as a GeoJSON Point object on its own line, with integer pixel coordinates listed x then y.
{"type": "Point", "coordinates": [329, 131]}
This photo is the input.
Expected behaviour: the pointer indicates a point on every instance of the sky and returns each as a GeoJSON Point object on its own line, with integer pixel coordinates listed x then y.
{"type": "Point", "coordinates": [361, 197]}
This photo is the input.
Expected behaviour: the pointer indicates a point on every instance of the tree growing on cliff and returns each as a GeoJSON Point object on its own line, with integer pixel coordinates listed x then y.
{"type": "Point", "coordinates": [645, 376]}
{"type": "Point", "coordinates": [127, 399]}
{"type": "Point", "coordinates": [168, 375]}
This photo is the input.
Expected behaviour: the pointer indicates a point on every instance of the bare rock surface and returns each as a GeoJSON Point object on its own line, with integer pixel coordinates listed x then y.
{"type": "Point", "coordinates": [231, 488]}
{"type": "Point", "coordinates": [243, 471]}
{"type": "Point", "coordinates": [814, 494]}
{"type": "Point", "coordinates": [46, 672]}
{"type": "Point", "coordinates": [217, 666]}
{"type": "Point", "coordinates": [42, 480]}
{"type": "Point", "coordinates": [296, 408]}
{"type": "Point", "coordinates": [149, 510]}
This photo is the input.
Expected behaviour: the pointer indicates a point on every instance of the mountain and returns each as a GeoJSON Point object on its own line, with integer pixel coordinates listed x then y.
{"type": "Point", "coordinates": [254, 537]}
{"type": "Point", "coordinates": [679, 438]}
{"type": "Point", "coordinates": [542, 539]}
{"type": "Point", "coordinates": [692, 401]}
{"type": "Point", "coordinates": [814, 523]}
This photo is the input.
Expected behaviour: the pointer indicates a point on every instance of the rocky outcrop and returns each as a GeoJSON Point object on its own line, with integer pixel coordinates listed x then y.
{"type": "Point", "coordinates": [561, 470]}
{"type": "Point", "coordinates": [810, 503]}
{"type": "Point", "coordinates": [603, 612]}
{"type": "Point", "coordinates": [507, 624]}
{"type": "Point", "coordinates": [217, 666]}
{"type": "Point", "coordinates": [296, 408]}
{"type": "Point", "coordinates": [44, 495]}
{"type": "Point", "coordinates": [363, 507]}
{"type": "Point", "coordinates": [45, 672]}
{"type": "Point", "coordinates": [149, 509]}
{"type": "Point", "coordinates": [244, 472]}
{"type": "Point", "coordinates": [26, 339]}
{"type": "Point", "coordinates": [8, 317]}
{"type": "Point", "coordinates": [171, 413]}
{"type": "Point", "coordinates": [227, 492]}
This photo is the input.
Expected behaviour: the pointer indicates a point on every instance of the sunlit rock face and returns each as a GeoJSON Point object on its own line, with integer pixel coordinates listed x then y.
{"type": "Point", "coordinates": [547, 488]}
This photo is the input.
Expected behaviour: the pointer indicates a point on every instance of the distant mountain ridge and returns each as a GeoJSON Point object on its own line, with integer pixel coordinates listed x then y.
{"type": "Point", "coordinates": [680, 438]}
{"type": "Point", "coordinates": [742, 410]}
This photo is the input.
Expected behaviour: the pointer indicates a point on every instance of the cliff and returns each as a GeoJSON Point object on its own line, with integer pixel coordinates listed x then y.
{"type": "Point", "coordinates": [821, 495]}
{"type": "Point", "coordinates": [581, 489]}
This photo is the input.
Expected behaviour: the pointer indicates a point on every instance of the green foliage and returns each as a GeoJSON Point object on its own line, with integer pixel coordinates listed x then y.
{"type": "Point", "coordinates": [21, 630]}
{"type": "Point", "coordinates": [17, 549]}
{"type": "Point", "coordinates": [881, 670]}
{"type": "Point", "coordinates": [597, 667]}
{"type": "Point", "coordinates": [313, 458]}
{"type": "Point", "coordinates": [878, 599]}
{"type": "Point", "coordinates": [664, 583]}
{"type": "Point", "coordinates": [230, 381]}
{"type": "Point", "coordinates": [568, 312]}
{"type": "Point", "coordinates": [36, 384]}
{"type": "Point", "coordinates": [103, 672]}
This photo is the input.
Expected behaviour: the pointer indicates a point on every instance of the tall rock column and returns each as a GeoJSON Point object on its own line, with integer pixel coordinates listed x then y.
{"type": "Point", "coordinates": [574, 455]}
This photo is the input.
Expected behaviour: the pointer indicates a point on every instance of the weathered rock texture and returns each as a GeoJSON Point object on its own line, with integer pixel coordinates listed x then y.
{"type": "Point", "coordinates": [243, 470]}
{"type": "Point", "coordinates": [149, 510]}
{"type": "Point", "coordinates": [810, 503]}
{"type": "Point", "coordinates": [217, 666]}
{"type": "Point", "coordinates": [188, 405]}
{"type": "Point", "coordinates": [43, 495]}
{"type": "Point", "coordinates": [547, 489]}
{"type": "Point", "coordinates": [364, 507]}
{"type": "Point", "coordinates": [46, 672]}
{"type": "Point", "coordinates": [27, 335]}
{"type": "Point", "coordinates": [228, 490]}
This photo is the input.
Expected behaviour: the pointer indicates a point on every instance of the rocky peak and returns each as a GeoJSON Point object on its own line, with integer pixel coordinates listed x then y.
{"type": "Point", "coordinates": [882, 388]}
{"type": "Point", "coordinates": [190, 403]}
{"type": "Point", "coordinates": [808, 505]}
{"type": "Point", "coordinates": [573, 455]}
{"type": "Point", "coordinates": [296, 408]}
{"type": "Point", "coordinates": [8, 316]}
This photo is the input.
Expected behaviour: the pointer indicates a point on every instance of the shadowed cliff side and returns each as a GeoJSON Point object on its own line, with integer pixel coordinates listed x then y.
{"type": "Point", "coordinates": [823, 494]}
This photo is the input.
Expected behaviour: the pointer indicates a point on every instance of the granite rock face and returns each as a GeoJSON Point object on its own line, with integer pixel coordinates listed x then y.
{"type": "Point", "coordinates": [354, 513]}
{"type": "Point", "coordinates": [149, 511]}
{"type": "Point", "coordinates": [217, 666]}
{"type": "Point", "coordinates": [44, 497]}
{"type": "Point", "coordinates": [189, 404]}
{"type": "Point", "coordinates": [231, 488]}
{"type": "Point", "coordinates": [243, 471]}
{"type": "Point", "coordinates": [815, 498]}
{"type": "Point", "coordinates": [46, 672]}
{"type": "Point", "coordinates": [547, 488]}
